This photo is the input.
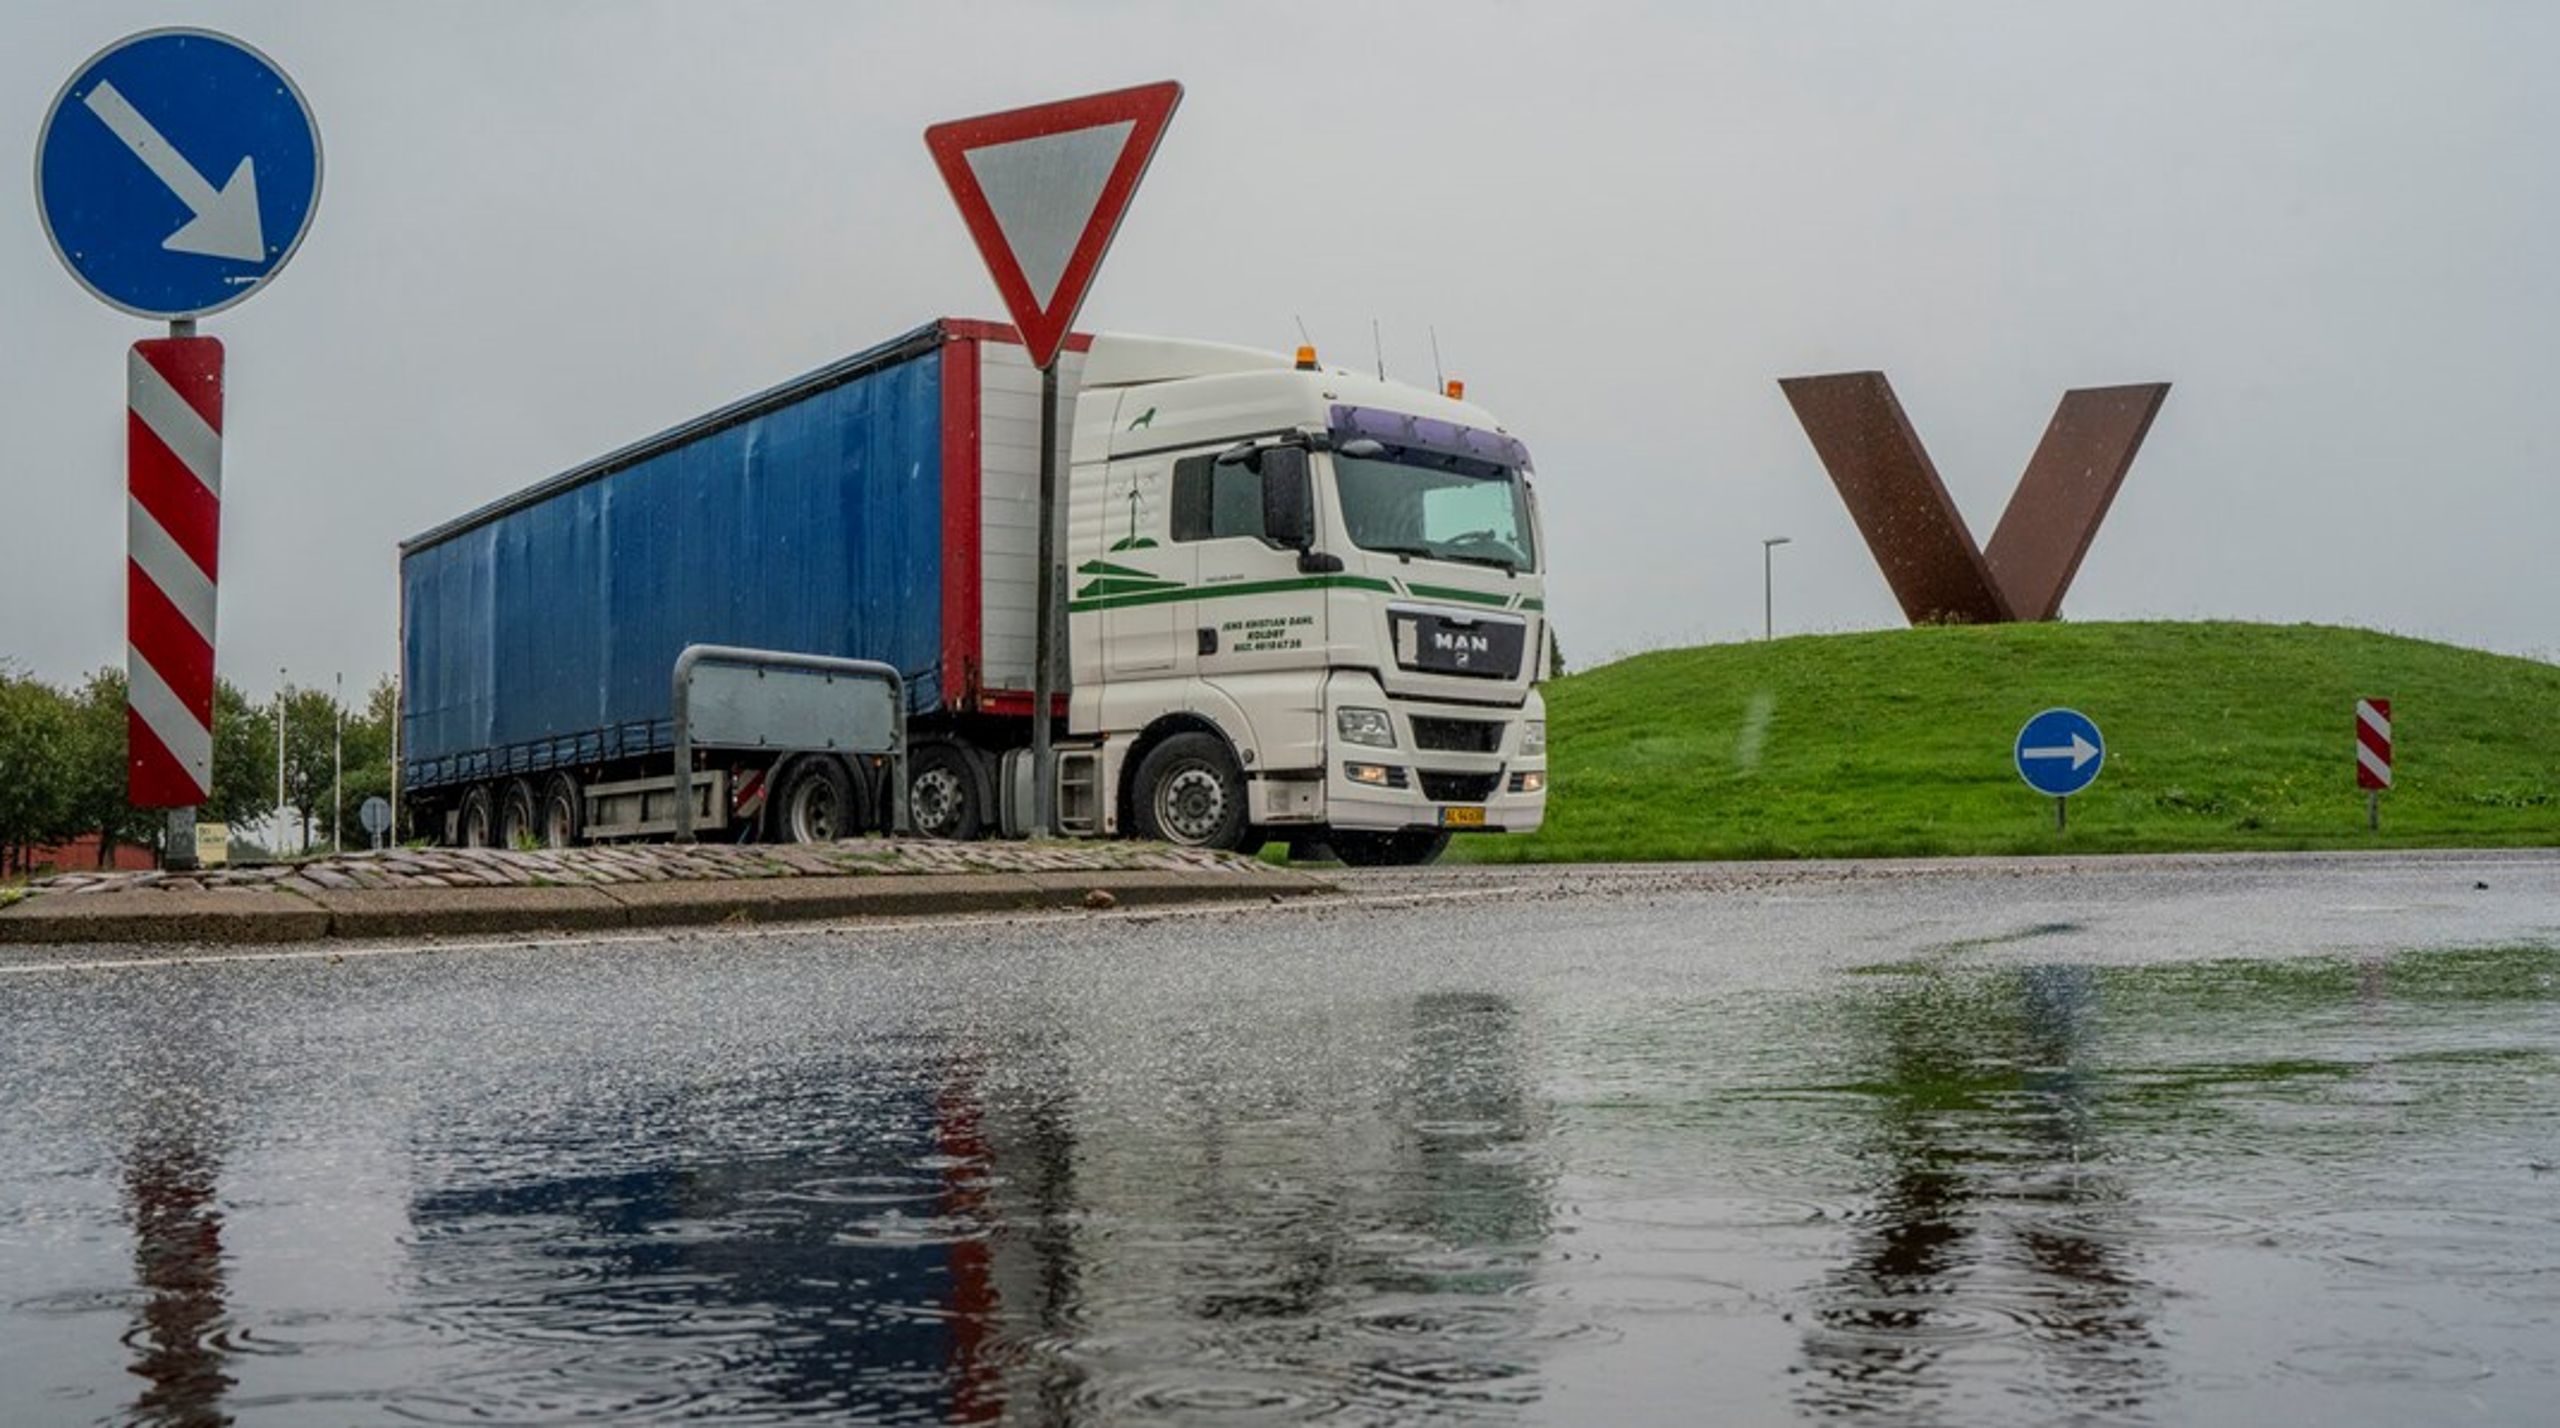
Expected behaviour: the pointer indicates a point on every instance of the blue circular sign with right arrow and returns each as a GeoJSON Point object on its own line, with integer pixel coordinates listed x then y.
{"type": "Point", "coordinates": [2060, 752]}
{"type": "Point", "coordinates": [177, 171]}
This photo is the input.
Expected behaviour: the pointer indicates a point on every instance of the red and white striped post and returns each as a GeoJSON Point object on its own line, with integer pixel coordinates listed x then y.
{"type": "Point", "coordinates": [2373, 755]}
{"type": "Point", "coordinates": [173, 463]}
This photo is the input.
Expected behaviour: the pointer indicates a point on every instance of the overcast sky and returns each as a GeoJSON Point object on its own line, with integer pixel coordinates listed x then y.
{"type": "Point", "coordinates": [549, 229]}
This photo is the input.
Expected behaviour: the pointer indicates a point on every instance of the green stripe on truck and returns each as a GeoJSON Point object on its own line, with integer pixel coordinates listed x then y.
{"type": "Point", "coordinates": [1235, 588]}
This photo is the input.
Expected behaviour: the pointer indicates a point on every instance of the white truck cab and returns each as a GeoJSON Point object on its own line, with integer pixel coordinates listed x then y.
{"type": "Point", "coordinates": [1303, 604]}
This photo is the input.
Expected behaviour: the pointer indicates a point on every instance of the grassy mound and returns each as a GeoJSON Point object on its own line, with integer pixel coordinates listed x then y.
{"type": "Point", "coordinates": [1897, 743]}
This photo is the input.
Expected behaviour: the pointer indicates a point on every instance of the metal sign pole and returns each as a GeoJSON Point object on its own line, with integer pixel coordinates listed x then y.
{"type": "Point", "coordinates": [1056, 182]}
{"type": "Point", "coordinates": [1044, 673]}
{"type": "Point", "coordinates": [2061, 814]}
{"type": "Point", "coordinates": [181, 840]}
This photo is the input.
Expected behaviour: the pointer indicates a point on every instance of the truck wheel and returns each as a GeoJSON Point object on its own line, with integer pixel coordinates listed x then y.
{"type": "Point", "coordinates": [563, 807]}
{"type": "Point", "coordinates": [478, 823]}
{"type": "Point", "coordinates": [817, 803]}
{"type": "Point", "coordinates": [1408, 849]}
{"type": "Point", "coordinates": [1191, 793]}
{"type": "Point", "coordinates": [944, 797]}
{"type": "Point", "coordinates": [519, 815]}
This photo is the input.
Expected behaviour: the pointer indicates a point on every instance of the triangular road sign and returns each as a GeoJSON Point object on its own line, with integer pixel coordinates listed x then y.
{"type": "Point", "coordinates": [1043, 190]}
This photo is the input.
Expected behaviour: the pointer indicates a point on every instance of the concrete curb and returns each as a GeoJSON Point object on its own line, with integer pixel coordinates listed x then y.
{"type": "Point", "coordinates": [261, 916]}
{"type": "Point", "coordinates": [267, 915]}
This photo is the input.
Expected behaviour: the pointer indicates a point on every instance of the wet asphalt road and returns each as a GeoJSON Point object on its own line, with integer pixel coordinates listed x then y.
{"type": "Point", "coordinates": [2181, 1140]}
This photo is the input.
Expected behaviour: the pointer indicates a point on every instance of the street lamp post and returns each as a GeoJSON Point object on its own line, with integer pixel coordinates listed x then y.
{"type": "Point", "coordinates": [338, 770]}
{"type": "Point", "coordinates": [280, 759]}
{"type": "Point", "coordinates": [1768, 617]}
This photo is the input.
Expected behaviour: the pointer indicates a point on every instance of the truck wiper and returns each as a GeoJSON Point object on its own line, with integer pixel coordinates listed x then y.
{"type": "Point", "coordinates": [1433, 552]}
{"type": "Point", "coordinates": [1495, 561]}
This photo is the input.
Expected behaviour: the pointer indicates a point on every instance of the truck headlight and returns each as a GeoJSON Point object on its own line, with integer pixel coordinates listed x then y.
{"type": "Point", "coordinates": [1365, 726]}
{"type": "Point", "coordinates": [1533, 738]}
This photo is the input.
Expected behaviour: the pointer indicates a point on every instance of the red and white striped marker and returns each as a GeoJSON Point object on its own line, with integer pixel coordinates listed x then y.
{"type": "Point", "coordinates": [173, 465]}
{"type": "Point", "coordinates": [2373, 743]}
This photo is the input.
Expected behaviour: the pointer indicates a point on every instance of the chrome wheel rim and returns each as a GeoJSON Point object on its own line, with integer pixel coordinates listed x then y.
{"type": "Point", "coordinates": [934, 801]}
{"type": "Point", "coordinates": [1191, 804]}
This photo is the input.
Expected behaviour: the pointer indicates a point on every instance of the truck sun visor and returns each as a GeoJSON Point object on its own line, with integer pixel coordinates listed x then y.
{"type": "Point", "coordinates": [1420, 433]}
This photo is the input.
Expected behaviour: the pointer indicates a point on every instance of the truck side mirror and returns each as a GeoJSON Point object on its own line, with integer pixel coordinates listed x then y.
{"type": "Point", "coordinates": [1288, 499]}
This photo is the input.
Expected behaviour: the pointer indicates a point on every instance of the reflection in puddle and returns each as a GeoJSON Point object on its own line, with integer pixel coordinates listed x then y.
{"type": "Point", "coordinates": [809, 1185]}
{"type": "Point", "coordinates": [947, 1243]}
{"type": "Point", "coordinates": [1987, 1212]}
{"type": "Point", "coordinates": [177, 1262]}
{"type": "Point", "coordinates": [2047, 1152]}
{"type": "Point", "coordinates": [863, 1272]}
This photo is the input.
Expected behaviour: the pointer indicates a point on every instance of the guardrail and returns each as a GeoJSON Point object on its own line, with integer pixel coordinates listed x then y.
{"type": "Point", "coordinates": [732, 698]}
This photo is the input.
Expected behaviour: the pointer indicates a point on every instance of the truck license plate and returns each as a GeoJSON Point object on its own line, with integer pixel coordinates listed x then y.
{"type": "Point", "coordinates": [1462, 818]}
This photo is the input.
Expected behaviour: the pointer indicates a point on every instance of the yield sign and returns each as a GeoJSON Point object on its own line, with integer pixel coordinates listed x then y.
{"type": "Point", "coordinates": [1043, 189]}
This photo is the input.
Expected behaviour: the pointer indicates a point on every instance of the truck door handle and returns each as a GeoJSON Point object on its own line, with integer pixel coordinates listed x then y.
{"type": "Point", "coordinates": [1208, 640]}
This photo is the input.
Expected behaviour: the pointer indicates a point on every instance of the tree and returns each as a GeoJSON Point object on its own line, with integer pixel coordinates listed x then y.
{"type": "Point", "coordinates": [38, 767]}
{"type": "Point", "coordinates": [310, 750]}
{"type": "Point", "coordinates": [244, 764]}
{"type": "Point", "coordinates": [101, 773]}
{"type": "Point", "coordinates": [244, 758]}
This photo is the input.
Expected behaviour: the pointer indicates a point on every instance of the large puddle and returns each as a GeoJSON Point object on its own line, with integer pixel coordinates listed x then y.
{"type": "Point", "coordinates": [1156, 1176]}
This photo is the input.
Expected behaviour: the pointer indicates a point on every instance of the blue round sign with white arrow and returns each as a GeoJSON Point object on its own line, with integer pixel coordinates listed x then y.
{"type": "Point", "coordinates": [177, 172]}
{"type": "Point", "coordinates": [2060, 752]}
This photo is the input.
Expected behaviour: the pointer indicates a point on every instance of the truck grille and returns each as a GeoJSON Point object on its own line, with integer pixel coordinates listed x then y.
{"type": "Point", "coordinates": [1446, 642]}
{"type": "Point", "coordinates": [1459, 787]}
{"type": "Point", "coordinates": [1459, 736]}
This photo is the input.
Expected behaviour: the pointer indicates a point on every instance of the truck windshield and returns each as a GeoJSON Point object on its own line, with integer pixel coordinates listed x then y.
{"type": "Point", "coordinates": [1439, 507]}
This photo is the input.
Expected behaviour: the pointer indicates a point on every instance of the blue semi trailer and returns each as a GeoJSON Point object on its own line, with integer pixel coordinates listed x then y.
{"type": "Point", "coordinates": [879, 508]}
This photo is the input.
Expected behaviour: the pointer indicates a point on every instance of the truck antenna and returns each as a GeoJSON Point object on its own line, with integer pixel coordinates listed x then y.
{"type": "Point", "coordinates": [1439, 380]}
{"type": "Point", "coordinates": [1378, 345]}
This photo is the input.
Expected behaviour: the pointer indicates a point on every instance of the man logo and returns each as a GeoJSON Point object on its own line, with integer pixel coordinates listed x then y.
{"type": "Point", "coordinates": [1462, 645]}
{"type": "Point", "coordinates": [1902, 508]}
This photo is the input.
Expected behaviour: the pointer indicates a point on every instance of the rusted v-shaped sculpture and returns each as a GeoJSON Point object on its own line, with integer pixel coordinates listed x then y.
{"type": "Point", "coordinates": [1927, 551]}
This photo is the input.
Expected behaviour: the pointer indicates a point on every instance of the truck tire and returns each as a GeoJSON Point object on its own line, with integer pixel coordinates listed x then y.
{"type": "Point", "coordinates": [563, 812]}
{"type": "Point", "coordinates": [1409, 849]}
{"type": "Point", "coordinates": [1190, 793]}
{"type": "Point", "coordinates": [817, 803]}
{"type": "Point", "coordinates": [945, 796]}
{"type": "Point", "coordinates": [477, 824]}
{"type": "Point", "coordinates": [519, 814]}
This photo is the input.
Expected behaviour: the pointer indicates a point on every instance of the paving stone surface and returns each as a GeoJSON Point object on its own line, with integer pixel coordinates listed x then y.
{"type": "Point", "coordinates": [641, 864]}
